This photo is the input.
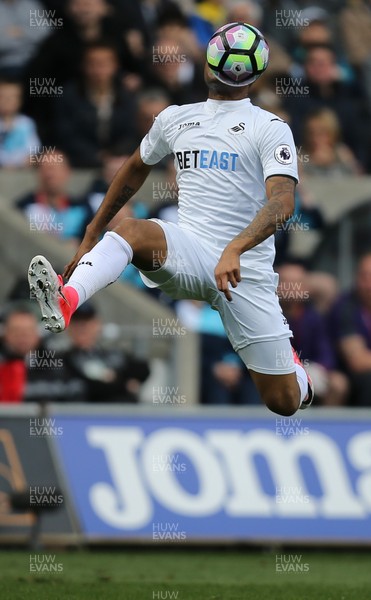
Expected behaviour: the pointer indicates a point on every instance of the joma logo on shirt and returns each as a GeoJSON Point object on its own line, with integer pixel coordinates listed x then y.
{"type": "Point", "coordinates": [192, 124]}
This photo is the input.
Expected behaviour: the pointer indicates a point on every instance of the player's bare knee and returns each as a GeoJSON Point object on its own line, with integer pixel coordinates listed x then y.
{"type": "Point", "coordinates": [129, 228]}
{"type": "Point", "coordinates": [284, 402]}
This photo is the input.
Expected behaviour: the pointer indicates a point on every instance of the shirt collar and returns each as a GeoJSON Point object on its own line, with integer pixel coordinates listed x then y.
{"type": "Point", "coordinates": [226, 105]}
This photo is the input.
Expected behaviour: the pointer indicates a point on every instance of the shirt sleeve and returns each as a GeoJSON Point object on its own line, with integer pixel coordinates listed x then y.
{"type": "Point", "coordinates": [154, 145]}
{"type": "Point", "coordinates": [277, 149]}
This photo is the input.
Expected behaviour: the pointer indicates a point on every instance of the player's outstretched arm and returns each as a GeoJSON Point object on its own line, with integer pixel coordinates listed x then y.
{"type": "Point", "coordinates": [279, 208]}
{"type": "Point", "coordinates": [125, 184]}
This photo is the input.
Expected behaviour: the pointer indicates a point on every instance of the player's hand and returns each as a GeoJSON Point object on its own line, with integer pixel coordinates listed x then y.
{"type": "Point", "coordinates": [228, 271]}
{"type": "Point", "coordinates": [86, 245]}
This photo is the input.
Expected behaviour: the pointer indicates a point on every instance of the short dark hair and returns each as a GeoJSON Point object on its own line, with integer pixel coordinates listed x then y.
{"type": "Point", "coordinates": [327, 47]}
{"type": "Point", "coordinates": [8, 80]}
{"type": "Point", "coordinates": [17, 308]}
{"type": "Point", "coordinates": [100, 45]}
{"type": "Point", "coordinates": [85, 312]}
{"type": "Point", "coordinates": [124, 147]}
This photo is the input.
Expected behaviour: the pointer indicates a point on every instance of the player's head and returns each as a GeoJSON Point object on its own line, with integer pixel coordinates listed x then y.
{"type": "Point", "coordinates": [236, 55]}
{"type": "Point", "coordinates": [218, 88]}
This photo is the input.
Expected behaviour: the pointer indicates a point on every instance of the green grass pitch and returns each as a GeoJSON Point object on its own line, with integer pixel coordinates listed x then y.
{"type": "Point", "coordinates": [186, 574]}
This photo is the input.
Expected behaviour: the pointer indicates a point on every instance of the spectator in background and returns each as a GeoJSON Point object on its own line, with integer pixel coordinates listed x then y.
{"type": "Point", "coordinates": [318, 32]}
{"type": "Point", "coordinates": [86, 22]}
{"type": "Point", "coordinates": [19, 35]}
{"type": "Point", "coordinates": [18, 135]}
{"type": "Point", "coordinates": [328, 156]}
{"type": "Point", "coordinates": [212, 11]}
{"type": "Point", "coordinates": [175, 68]}
{"type": "Point", "coordinates": [355, 32]}
{"type": "Point", "coordinates": [322, 87]}
{"type": "Point", "coordinates": [323, 290]}
{"type": "Point", "coordinates": [133, 16]}
{"type": "Point", "coordinates": [311, 338]}
{"type": "Point", "coordinates": [57, 6]}
{"type": "Point", "coordinates": [174, 24]}
{"type": "Point", "coordinates": [315, 32]}
{"type": "Point", "coordinates": [58, 58]}
{"type": "Point", "coordinates": [100, 374]}
{"type": "Point", "coordinates": [307, 216]}
{"type": "Point", "coordinates": [50, 208]}
{"type": "Point", "coordinates": [112, 160]}
{"type": "Point", "coordinates": [29, 372]}
{"type": "Point", "coordinates": [150, 103]}
{"type": "Point", "coordinates": [20, 336]}
{"type": "Point", "coordinates": [351, 329]}
{"type": "Point", "coordinates": [95, 113]}
{"type": "Point", "coordinates": [249, 11]}
{"type": "Point", "coordinates": [224, 378]}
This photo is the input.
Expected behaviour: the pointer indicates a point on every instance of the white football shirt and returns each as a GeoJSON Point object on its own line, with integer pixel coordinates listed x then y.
{"type": "Point", "coordinates": [223, 152]}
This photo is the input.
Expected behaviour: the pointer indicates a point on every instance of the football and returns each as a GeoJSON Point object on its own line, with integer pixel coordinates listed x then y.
{"type": "Point", "coordinates": [237, 54]}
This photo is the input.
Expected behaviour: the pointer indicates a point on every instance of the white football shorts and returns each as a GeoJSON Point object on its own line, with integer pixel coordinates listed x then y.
{"type": "Point", "coordinates": [253, 320]}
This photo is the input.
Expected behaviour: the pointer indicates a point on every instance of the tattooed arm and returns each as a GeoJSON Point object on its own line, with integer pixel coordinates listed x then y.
{"type": "Point", "coordinates": [279, 208]}
{"type": "Point", "coordinates": [125, 184]}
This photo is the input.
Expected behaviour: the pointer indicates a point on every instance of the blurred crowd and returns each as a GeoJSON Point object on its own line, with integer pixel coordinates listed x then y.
{"type": "Point", "coordinates": [84, 75]}
{"type": "Point", "coordinates": [331, 331]}
{"type": "Point", "coordinates": [80, 84]}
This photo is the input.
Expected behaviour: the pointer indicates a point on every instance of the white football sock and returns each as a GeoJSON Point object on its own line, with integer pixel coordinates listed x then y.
{"type": "Point", "coordinates": [101, 266]}
{"type": "Point", "coordinates": [302, 380]}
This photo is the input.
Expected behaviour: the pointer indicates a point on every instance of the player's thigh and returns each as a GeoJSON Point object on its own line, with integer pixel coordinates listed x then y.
{"type": "Point", "coordinates": [280, 393]}
{"type": "Point", "coordinates": [271, 365]}
{"type": "Point", "coordinates": [147, 240]}
{"type": "Point", "coordinates": [254, 314]}
{"type": "Point", "coordinates": [272, 369]}
{"type": "Point", "coordinates": [185, 274]}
